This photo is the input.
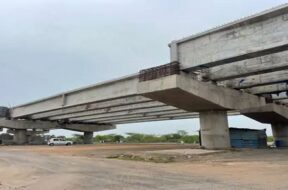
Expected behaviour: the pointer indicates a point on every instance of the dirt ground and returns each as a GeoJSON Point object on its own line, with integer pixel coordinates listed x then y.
{"type": "Point", "coordinates": [87, 167]}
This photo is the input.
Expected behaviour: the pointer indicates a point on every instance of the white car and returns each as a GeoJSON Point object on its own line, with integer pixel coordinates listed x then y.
{"type": "Point", "coordinates": [59, 141]}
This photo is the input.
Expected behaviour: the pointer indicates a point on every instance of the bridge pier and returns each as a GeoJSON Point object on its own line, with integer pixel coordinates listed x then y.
{"type": "Point", "coordinates": [88, 138]}
{"type": "Point", "coordinates": [214, 130]}
{"type": "Point", "coordinates": [20, 136]}
{"type": "Point", "coordinates": [280, 134]}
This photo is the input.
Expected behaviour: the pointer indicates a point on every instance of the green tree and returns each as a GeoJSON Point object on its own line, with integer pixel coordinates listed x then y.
{"type": "Point", "coordinates": [182, 133]}
{"type": "Point", "coordinates": [270, 139]}
{"type": "Point", "coordinates": [76, 139]}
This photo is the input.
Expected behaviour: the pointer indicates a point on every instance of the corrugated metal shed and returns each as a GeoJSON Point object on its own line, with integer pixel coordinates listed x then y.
{"type": "Point", "coordinates": [248, 138]}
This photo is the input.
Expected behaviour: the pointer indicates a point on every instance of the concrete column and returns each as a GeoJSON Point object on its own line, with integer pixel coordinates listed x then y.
{"type": "Point", "coordinates": [214, 130]}
{"type": "Point", "coordinates": [20, 136]}
{"type": "Point", "coordinates": [280, 134]}
{"type": "Point", "coordinates": [88, 138]}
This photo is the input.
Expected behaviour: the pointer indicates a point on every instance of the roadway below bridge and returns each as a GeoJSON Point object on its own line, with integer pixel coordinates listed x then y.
{"type": "Point", "coordinates": [86, 167]}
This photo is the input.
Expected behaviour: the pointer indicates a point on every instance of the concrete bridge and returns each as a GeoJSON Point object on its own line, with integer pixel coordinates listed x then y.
{"type": "Point", "coordinates": [237, 68]}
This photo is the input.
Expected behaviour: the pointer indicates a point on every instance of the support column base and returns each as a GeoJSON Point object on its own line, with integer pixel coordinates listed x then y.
{"type": "Point", "coordinates": [214, 130]}
{"type": "Point", "coordinates": [280, 134]}
{"type": "Point", "coordinates": [88, 138]}
{"type": "Point", "coordinates": [20, 136]}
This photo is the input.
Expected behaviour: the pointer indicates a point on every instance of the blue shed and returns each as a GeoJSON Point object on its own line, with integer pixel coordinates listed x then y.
{"type": "Point", "coordinates": [248, 138]}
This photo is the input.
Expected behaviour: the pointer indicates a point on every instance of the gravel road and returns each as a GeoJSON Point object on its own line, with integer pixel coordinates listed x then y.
{"type": "Point", "coordinates": [46, 168]}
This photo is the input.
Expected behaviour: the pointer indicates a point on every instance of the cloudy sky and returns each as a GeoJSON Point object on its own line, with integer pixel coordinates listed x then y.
{"type": "Point", "coordinates": [50, 46]}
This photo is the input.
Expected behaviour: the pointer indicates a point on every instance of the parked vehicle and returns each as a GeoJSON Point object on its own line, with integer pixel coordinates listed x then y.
{"type": "Point", "coordinates": [59, 141]}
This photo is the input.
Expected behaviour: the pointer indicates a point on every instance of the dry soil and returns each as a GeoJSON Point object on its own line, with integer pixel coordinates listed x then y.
{"type": "Point", "coordinates": [87, 167]}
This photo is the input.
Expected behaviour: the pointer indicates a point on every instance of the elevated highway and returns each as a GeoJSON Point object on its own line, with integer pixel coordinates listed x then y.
{"type": "Point", "coordinates": [237, 68]}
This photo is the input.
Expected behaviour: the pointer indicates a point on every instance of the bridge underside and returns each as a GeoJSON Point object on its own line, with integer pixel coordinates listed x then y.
{"type": "Point", "coordinates": [240, 67]}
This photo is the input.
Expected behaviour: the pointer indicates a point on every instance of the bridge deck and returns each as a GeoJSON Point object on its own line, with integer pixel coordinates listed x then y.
{"type": "Point", "coordinates": [248, 55]}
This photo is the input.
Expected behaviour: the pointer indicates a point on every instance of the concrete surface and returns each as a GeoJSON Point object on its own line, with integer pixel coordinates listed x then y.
{"type": "Point", "coordinates": [88, 138]}
{"type": "Point", "coordinates": [250, 37]}
{"type": "Point", "coordinates": [183, 92]}
{"type": "Point", "coordinates": [280, 134]}
{"type": "Point", "coordinates": [214, 130]}
{"type": "Point", "coordinates": [30, 124]}
{"type": "Point", "coordinates": [123, 87]}
{"type": "Point", "coordinates": [20, 136]}
{"type": "Point", "coordinates": [257, 38]}
{"type": "Point", "coordinates": [270, 113]}
{"type": "Point", "coordinates": [248, 67]}
{"type": "Point", "coordinates": [86, 168]}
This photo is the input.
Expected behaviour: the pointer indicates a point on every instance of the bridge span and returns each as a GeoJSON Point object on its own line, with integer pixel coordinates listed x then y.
{"type": "Point", "coordinates": [237, 68]}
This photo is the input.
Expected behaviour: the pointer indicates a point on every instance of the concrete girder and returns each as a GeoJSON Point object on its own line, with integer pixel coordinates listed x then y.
{"type": "Point", "coordinates": [48, 125]}
{"type": "Point", "coordinates": [126, 101]}
{"type": "Point", "coordinates": [168, 114]}
{"type": "Point", "coordinates": [280, 96]}
{"type": "Point", "coordinates": [121, 88]}
{"type": "Point", "coordinates": [153, 118]}
{"type": "Point", "coordinates": [283, 102]}
{"type": "Point", "coordinates": [187, 115]}
{"type": "Point", "coordinates": [131, 119]}
{"type": "Point", "coordinates": [268, 89]}
{"type": "Point", "coordinates": [30, 132]}
{"type": "Point", "coordinates": [270, 113]}
{"type": "Point", "coordinates": [120, 118]}
{"type": "Point", "coordinates": [258, 80]}
{"type": "Point", "coordinates": [253, 36]}
{"type": "Point", "coordinates": [88, 127]}
{"type": "Point", "coordinates": [140, 112]}
{"type": "Point", "coordinates": [138, 106]}
{"type": "Point", "coordinates": [249, 67]}
{"type": "Point", "coordinates": [27, 124]}
{"type": "Point", "coordinates": [183, 92]}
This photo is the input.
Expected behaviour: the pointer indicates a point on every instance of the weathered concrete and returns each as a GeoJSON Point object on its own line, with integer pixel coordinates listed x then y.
{"type": "Point", "coordinates": [152, 118]}
{"type": "Point", "coordinates": [277, 116]}
{"type": "Point", "coordinates": [268, 89]}
{"type": "Point", "coordinates": [253, 45]}
{"type": "Point", "coordinates": [27, 124]}
{"type": "Point", "coordinates": [139, 112]}
{"type": "Point", "coordinates": [88, 127]}
{"type": "Point", "coordinates": [30, 132]}
{"type": "Point", "coordinates": [270, 113]}
{"type": "Point", "coordinates": [258, 80]}
{"type": "Point", "coordinates": [48, 125]}
{"type": "Point", "coordinates": [88, 138]}
{"type": "Point", "coordinates": [110, 90]}
{"type": "Point", "coordinates": [108, 105]}
{"type": "Point", "coordinates": [133, 107]}
{"type": "Point", "coordinates": [20, 136]}
{"type": "Point", "coordinates": [249, 67]}
{"type": "Point", "coordinates": [280, 134]}
{"type": "Point", "coordinates": [284, 101]}
{"type": "Point", "coordinates": [254, 36]}
{"type": "Point", "coordinates": [183, 92]}
{"type": "Point", "coordinates": [280, 96]}
{"type": "Point", "coordinates": [23, 136]}
{"type": "Point", "coordinates": [214, 130]}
